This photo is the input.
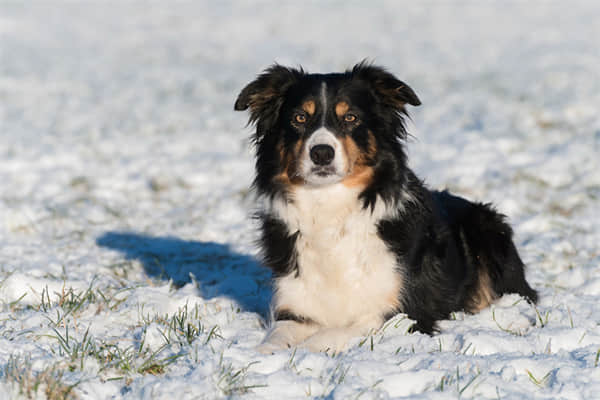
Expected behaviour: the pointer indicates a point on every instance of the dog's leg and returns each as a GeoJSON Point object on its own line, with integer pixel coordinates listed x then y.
{"type": "Point", "coordinates": [286, 334]}
{"type": "Point", "coordinates": [501, 270]}
{"type": "Point", "coordinates": [336, 339]}
{"type": "Point", "coordinates": [512, 276]}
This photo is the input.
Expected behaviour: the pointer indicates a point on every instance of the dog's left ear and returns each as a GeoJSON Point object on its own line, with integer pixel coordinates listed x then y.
{"type": "Point", "coordinates": [390, 90]}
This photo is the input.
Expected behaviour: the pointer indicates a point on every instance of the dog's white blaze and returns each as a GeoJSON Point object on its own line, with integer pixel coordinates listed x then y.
{"type": "Point", "coordinates": [323, 136]}
{"type": "Point", "coordinates": [347, 275]}
{"type": "Point", "coordinates": [323, 102]}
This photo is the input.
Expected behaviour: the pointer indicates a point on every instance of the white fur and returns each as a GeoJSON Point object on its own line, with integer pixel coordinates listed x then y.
{"type": "Point", "coordinates": [323, 102]}
{"type": "Point", "coordinates": [347, 278]}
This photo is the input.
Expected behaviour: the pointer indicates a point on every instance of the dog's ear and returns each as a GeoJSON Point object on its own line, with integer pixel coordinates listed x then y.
{"type": "Point", "coordinates": [264, 96]}
{"type": "Point", "coordinates": [390, 90]}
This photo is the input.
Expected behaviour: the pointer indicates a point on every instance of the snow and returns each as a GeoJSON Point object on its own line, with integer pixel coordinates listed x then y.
{"type": "Point", "coordinates": [125, 210]}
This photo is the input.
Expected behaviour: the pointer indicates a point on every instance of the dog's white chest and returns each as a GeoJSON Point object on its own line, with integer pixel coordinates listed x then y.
{"type": "Point", "coordinates": [345, 271]}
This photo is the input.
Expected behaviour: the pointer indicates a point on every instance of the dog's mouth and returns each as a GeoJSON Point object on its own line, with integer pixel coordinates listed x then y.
{"type": "Point", "coordinates": [323, 171]}
{"type": "Point", "coordinates": [323, 175]}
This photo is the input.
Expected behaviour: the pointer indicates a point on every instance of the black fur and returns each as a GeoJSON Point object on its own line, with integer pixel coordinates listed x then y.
{"type": "Point", "coordinates": [277, 245]}
{"type": "Point", "coordinates": [444, 244]}
{"type": "Point", "coordinates": [285, 315]}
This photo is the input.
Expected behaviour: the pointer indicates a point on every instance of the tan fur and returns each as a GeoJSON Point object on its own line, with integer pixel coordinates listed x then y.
{"type": "Point", "coordinates": [309, 106]}
{"type": "Point", "coordinates": [361, 177]}
{"type": "Point", "coordinates": [484, 294]}
{"type": "Point", "coordinates": [360, 172]}
{"type": "Point", "coordinates": [288, 160]}
{"type": "Point", "coordinates": [341, 108]}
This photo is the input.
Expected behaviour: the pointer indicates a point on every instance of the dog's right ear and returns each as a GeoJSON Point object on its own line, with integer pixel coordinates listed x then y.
{"type": "Point", "coordinates": [390, 90]}
{"type": "Point", "coordinates": [264, 96]}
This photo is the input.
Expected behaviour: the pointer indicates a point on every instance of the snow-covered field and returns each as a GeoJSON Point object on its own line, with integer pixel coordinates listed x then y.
{"type": "Point", "coordinates": [127, 264]}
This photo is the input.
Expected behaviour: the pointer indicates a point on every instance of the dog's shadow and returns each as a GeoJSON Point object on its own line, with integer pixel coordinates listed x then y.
{"type": "Point", "coordinates": [217, 269]}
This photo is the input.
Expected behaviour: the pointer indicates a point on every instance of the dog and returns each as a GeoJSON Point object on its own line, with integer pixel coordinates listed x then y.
{"type": "Point", "coordinates": [351, 234]}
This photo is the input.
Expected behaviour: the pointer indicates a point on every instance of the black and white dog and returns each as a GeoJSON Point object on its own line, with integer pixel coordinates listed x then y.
{"type": "Point", "coordinates": [352, 236]}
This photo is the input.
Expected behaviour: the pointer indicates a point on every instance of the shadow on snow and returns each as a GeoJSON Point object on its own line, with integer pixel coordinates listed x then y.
{"type": "Point", "coordinates": [218, 270]}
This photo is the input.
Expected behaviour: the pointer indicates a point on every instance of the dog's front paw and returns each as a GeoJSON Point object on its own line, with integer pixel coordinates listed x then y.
{"type": "Point", "coordinates": [330, 340]}
{"type": "Point", "coordinates": [284, 335]}
{"type": "Point", "coordinates": [272, 346]}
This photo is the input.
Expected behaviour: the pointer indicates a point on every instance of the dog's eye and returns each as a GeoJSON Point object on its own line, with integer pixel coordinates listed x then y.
{"type": "Point", "coordinates": [300, 118]}
{"type": "Point", "coordinates": [350, 118]}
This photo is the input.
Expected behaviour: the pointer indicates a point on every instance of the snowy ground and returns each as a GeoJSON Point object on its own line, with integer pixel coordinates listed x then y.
{"type": "Point", "coordinates": [124, 172]}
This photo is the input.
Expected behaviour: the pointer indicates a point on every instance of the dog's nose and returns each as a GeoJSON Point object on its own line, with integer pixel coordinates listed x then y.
{"type": "Point", "coordinates": [322, 154]}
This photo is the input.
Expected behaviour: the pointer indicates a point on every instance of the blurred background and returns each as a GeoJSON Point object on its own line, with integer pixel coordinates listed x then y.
{"type": "Point", "coordinates": [121, 114]}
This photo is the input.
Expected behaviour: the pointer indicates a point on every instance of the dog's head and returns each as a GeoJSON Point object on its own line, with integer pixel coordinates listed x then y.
{"type": "Point", "coordinates": [321, 129]}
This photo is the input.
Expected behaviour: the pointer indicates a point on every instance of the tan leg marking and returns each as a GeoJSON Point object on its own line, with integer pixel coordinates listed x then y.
{"type": "Point", "coordinates": [484, 293]}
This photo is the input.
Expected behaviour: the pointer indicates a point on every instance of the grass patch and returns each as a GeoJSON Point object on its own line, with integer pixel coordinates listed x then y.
{"type": "Point", "coordinates": [368, 339]}
{"type": "Point", "coordinates": [367, 389]}
{"type": "Point", "coordinates": [336, 377]}
{"type": "Point", "coordinates": [183, 327]}
{"type": "Point", "coordinates": [538, 382]}
{"type": "Point", "coordinates": [231, 380]}
{"type": "Point", "coordinates": [75, 350]}
{"type": "Point", "coordinates": [31, 384]}
{"type": "Point", "coordinates": [131, 360]}
{"type": "Point", "coordinates": [454, 381]}
{"type": "Point", "coordinates": [70, 302]}
{"type": "Point", "coordinates": [543, 319]}
{"type": "Point", "coordinates": [507, 330]}
{"type": "Point", "coordinates": [124, 360]}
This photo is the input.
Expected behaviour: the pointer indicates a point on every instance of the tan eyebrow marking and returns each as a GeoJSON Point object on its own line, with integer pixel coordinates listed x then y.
{"type": "Point", "coordinates": [309, 106]}
{"type": "Point", "coordinates": [341, 108]}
